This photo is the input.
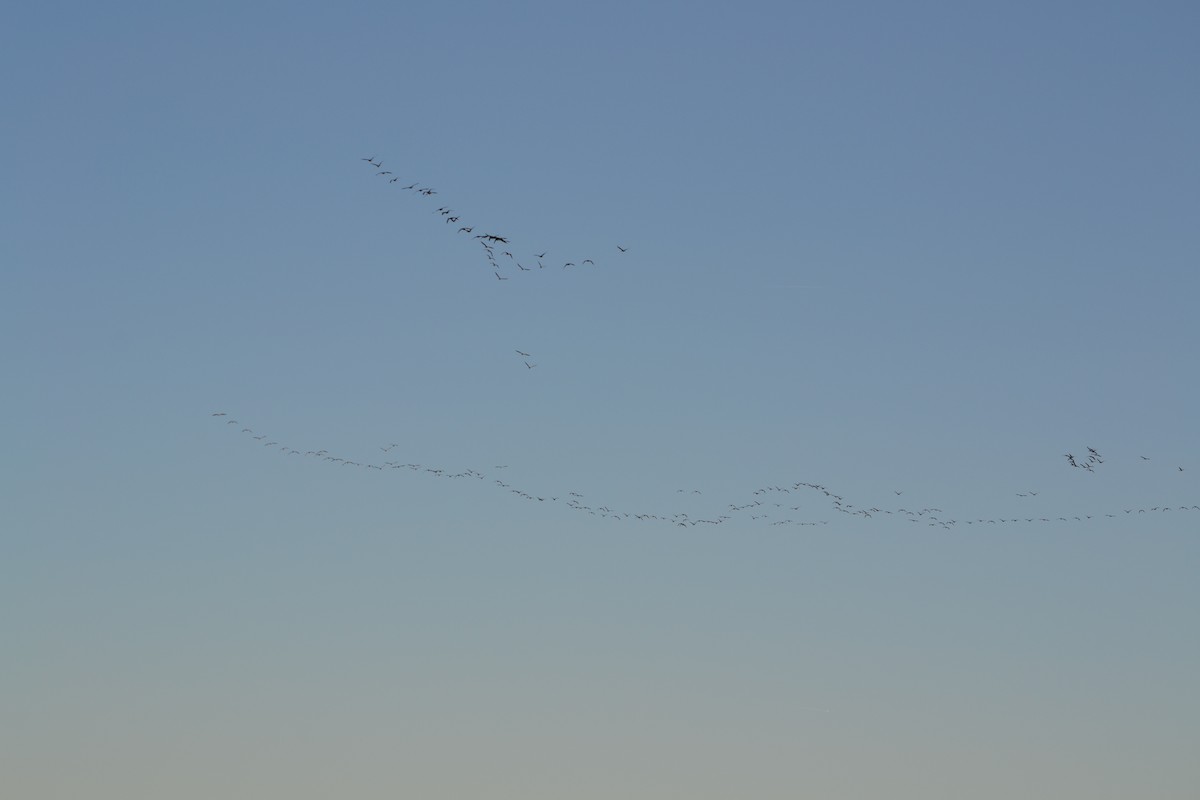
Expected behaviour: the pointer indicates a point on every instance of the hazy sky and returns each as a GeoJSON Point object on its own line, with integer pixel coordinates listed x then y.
{"type": "Point", "coordinates": [923, 248]}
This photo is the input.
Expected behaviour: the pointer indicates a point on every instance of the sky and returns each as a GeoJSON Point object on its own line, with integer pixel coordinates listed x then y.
{"type": "Point", "coordinates": [776, 506]}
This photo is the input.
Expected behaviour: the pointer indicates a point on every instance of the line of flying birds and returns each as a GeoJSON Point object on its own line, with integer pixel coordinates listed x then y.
{"type": "Point", "coordinates": [1093, 460]}
{"type": "Point", "coordinates": [762, 502]}
{"type": "Point", "coordinates": [487, 241]}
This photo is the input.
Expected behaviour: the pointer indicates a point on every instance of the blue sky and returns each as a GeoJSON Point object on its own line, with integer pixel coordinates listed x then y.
{"type": "Point", "coordinates": [925, 249]}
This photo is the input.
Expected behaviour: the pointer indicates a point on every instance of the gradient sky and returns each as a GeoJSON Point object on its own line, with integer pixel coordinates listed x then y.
{"type": "Point", "coordinates": [924, 248]}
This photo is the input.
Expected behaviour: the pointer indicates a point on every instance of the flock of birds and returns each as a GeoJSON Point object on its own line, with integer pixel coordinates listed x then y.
{"type": "Point", "coordinates": [496, 248]}
{"type": "Point", "coordinates": [1093, 460]}
{"type": "Point", "coordinates": [774, 505]}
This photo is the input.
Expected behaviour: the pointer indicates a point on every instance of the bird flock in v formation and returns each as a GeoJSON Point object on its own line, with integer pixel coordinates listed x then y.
{"type": "Point", "coordinates": [768, 505]}
{"type": "Point", "coordinates": [495, 247]}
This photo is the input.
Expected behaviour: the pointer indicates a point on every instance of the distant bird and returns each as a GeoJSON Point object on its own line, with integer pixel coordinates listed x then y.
{"type": "Point", "coordinates": [622, 249]}
{"type": "Point", "coordinates": [499, 278]}
{"type": "Point", "coordinates": [218, 413]}
{"type": "Point", "coordinates": [1143, 458]}
{"type": "Point", "coordinates": [530, 366]}
{"type": "Point", "coordinates": [371, 159]}
{"type": "Point", "coordinates": [520, 353]}
{"type": "Point", "coordinates": [540, 255]}
{"type": "Point", "coordinates": [589, 261]}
